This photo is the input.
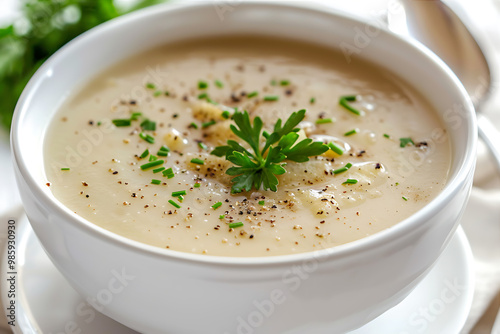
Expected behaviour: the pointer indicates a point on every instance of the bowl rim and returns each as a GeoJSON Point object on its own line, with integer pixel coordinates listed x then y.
{"type": "Point", "coordinates": [353, 248]}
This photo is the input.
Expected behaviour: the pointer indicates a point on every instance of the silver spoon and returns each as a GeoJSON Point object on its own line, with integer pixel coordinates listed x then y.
{"type": "Point", "coordinates": [435, 25]}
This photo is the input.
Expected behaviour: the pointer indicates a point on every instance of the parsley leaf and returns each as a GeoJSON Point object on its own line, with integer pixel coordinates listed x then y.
{"type": "Point", "coordinates": [257, 168]}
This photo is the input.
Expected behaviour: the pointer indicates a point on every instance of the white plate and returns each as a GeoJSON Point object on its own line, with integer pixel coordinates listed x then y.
{"type": "Point", "coordinates": [47, 304]}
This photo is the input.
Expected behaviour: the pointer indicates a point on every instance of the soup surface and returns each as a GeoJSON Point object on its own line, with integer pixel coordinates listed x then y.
{"type": "Point", "coordinates": [131, 150]}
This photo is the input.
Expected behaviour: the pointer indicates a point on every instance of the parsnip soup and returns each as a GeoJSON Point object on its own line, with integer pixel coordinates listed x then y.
{"type": "Point", "coordinates": [246, 146]}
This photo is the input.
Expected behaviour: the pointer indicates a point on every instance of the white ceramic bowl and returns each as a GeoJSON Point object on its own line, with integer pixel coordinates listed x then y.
{"type": "Point", "coordinates": [156, 290]}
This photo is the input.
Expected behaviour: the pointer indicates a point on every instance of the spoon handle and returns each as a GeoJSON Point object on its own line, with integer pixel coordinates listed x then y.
{"type": "Point", "coordinates": [491, 137]}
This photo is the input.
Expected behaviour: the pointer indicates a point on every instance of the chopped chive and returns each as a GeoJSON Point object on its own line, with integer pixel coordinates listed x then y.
{"type": "Point", "coordinates": [193, 125]}
{"type": "Point", "coordinates": [152, 164]}
{"type": "Point", "coordinates": [99, 123]}
{"type": "Point", "coordinates": [335, 148]}
{"type": "Point", "coordinates": [157, 93]}
{"type": "Point", "coordinates": [157, 170]}
{"type": "Point", "coordinates": [163, 151]}
{"type": "Point", "coordinates": [274, 82]}
{"type": "Point", "coordinates": [197, 161]}
{"type": "Point", "coordinates": [150, 139]}
{"type": "Point", "coordinates": [284, 82]}
{"type": "Point", "coordinates": [65, 168]}
{"type": "Point", "coordinates": [324, 121]}
{"type": "Point", "coordinates": [166, 93]}
{"type": "Point", "coordinates": [202, 146]}
{"type": "Point", "coordinates": [405, 198]}
{"type": "Point", "coordinates": [342, 169]}
{"type": "Point", "coordinates": [135, 116]}
{"type": "Point", "coordinates": [397, 183]}
{"type": "Point", "coordinates": [150, 85]}
{"type": "Point", "coordinates": [344, 102]}
{"type": "Point", "coordinates": [226, 114]}
{"type": "Point", "coordinates": [350, 181]}
{"type": "Point", "coordinates": [216, 205]}
{"type": "Point", "coordinates": [121, 122]}
{"type": "Point", "coordinates": [262, 202]}
{"type": "Point", "coordinates": [197, 185]}
{"type": "Point", "coordinates": [350, 133]}
{"type": "Point", "coordinates": [265, 134]}
{"type": "Point", "coordinates": [312, 100]}
{"type": "Point", "coordinates": [153, 158]}
{"type": "Point", "coordinates": [168, 173]}
{"type": "Point", "coordinates": [271, 98]}
{"type": "Point", "coordinates": [144, 154]}
{"type": "Point", "coordinates": [148, 125]}
{"type": "Point", "coordinates": [207, 124]}
{"type": "Point", "coordinates": [209, 100]}
{"type": "Point", "coordinates": [403, 142]}
{"type": "Point", "coordinates": [174, 204]}
{"type": "Point", "coordinates": [252, 94]}
{"type": "Point", "coordinates": [202, 84]}
{"type": "Point", "coordinates": [155, 181]}
{"type": "Point", "coordinates": [235, 225]}
{"type": "Point", "coordinates": [202, 96]}
{"type": "Point", "coordinates": [222, 217]}
{"type": "Point", "coordinates": [386, 135]}
{"type": "Point", "coordinates": [178, 193]}
{"type": "Point", "coordinates": [219, 84]}
{"type": "Point", "coordinates": [180, 198]}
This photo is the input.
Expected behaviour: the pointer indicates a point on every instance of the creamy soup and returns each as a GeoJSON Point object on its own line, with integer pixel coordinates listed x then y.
{"type": "Point", "coordinates": [131, 150]}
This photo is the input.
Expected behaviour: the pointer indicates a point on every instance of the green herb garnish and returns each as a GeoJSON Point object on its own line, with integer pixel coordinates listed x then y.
{"type": "Point", "coordinates": [202, 146]}
{"type": "Point", "coordinates": [168, 173]}
{"type": "Point", "coordinates": [150, 85]}
{"type": "Point", "coordinates": [144, 154]}
{"type": "Point", "coordinates": [226, 114]}
{"type": "Point", "coordinates": [153, 158]}
{"type": "Point", "coordinates": [262, 202]}
{"type": "Point", "coordinates": [335, 148]}
{"type": "Point", "coordinates": [174, 204]}
{"type": "Point", "coordinates": [342, 169]}
{"type": "Point", "coordinates": [148, 125]}
{"type": "Point", "coordinates": [122, 122]}
{"type": "Point", "coordinates": [202, 84]}
{"type": "Point", "coordinates": [197, 185]}
{"type": "Point", "coordinates": [150, 139]}
{"type": "Point", "coordinates": [312, 100]}
{"type": "Point", "coordinates": [155, 181]}
{"type": "Point", "coordinates": [152, 164]}
{"type": "Point", "coordinates": [222, 217]}
{"type": "Point", "coordinates": [271, 98]}
{"type": "Point", "coordinates": [284, 82]}
{"type": "Point", "coordinates": [350, 181]}
{"type": "Point", "coordinates": [344, 102]}
{"type": "Point", "coordinates": [207, 124]}
{"type": "Point", "coordinates": [216, 205]}
{"type": "Point", "coordinates": [324, 120]}
{"type": "Point", "coordinates": [193, 125]}
{"type": "Point", "coordinates": [178, 193]}
{"type": "Point", "coordinates": [65, 168]}
{"type": "Point", "coordinates": [135, 115]}
{"type": "Point", "coordinates": [219, 84]}
{"type": "Point", "coordinates": [386, 135]}
{"type": "Point", "coordinates": [235, 225]}
{"type": "Point", "coordinates": [163, 151]}
{"type": "Point", "coordinates": [259, 169]}
{"type": "Point", "coordinates": [405, 198]}
{"type": "Point", "coordinates": [197, 161]}
{"type": "Point", "coordinates": [252, 94]}
{"type": "Point", "coordinates": [403, 142]}
{"type": "Point", "coordinates": [351, 132]}
{"type": "Point", "coordinates": [157, 170]}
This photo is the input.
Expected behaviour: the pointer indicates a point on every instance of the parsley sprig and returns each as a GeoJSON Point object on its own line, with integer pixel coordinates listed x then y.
{"type": "Point", "coordinates": [259, 166]}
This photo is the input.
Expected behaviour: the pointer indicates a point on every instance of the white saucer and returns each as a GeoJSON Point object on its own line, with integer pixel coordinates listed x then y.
{"type": "Point", "coordinates": [47, 304]}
